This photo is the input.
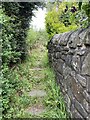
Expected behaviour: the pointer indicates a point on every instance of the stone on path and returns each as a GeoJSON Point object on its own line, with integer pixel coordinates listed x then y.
{"type": "Point", "coordinates": [36, 109]}
{"type": "Point", "coordinates": [38, 69]}
{"type": "Point", "coordinates": [37, 93]}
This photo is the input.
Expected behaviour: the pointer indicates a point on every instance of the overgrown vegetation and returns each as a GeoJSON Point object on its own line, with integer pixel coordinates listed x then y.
{"type": "Point", "coordinates": [86, 8]}
{"type": "Point", "coordinates": [44, 79]}
{"type": "Point", "coordinates": [54, 24]}
{"type": "Point", "coordinates": [67, 16]}
{"type": "Point", "coordinates": [33, 36]}
{"type": "Point", "coordinates": [21, 79]}
{"type": "Point", "coordinates": [14, 22]}
{"type": "Point", "coordinates": [77, 13]}
{"type": "Point", "coordinates": [19, 15]}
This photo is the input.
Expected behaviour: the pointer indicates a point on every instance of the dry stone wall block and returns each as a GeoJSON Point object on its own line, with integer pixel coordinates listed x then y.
{"type": "Point", "coordinates": [86, 65]}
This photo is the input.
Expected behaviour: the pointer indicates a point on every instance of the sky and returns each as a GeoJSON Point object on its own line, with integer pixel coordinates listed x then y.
{"type": "Point", "coordinates": [38, 22]}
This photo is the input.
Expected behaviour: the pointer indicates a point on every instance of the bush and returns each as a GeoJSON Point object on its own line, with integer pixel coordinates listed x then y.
{"type": "Point", "coordinates": [9, 83]}
{"type": "Point", "coordinates": [77, 13]}
{"type": "Point", "coordinates": [8, 41]}
{"type": "Point", "coordinates": [53, 23]}
{"type": "Point", "coordinates": [86, 8]}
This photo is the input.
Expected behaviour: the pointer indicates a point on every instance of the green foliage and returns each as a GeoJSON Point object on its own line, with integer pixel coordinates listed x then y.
{"type": "Point", "coordinates": [14, 85]}
{"type": "Point", "coordinates": [77, 13]}
{"type": "Point", "coordinates": [54, 100]}
{"type": "Point", "coordinates": [14, 22]}
{"type": "Point", "coordinates": [86, 8]}
{"type": "Point", "coordinates": [53, 23]}
{"type": "Point", "coordinates": [20, 15]}
{"type": "Point", "coordinates": [69, 13]}
{"type": "Point", "coordinates": [34, 37]}
{"type": "Point", "coordinates": [67, 16]}
{"type": "Point", "coordinates": [31, 37]}
{"type": "Point", "coordinates": [20, 79]}
{"type": "Point", "coordinates": [7, 55]}
{"type": "Point", "coordinates": [8, 41]}
{"type": "Point", "coordinates": [43, 79]}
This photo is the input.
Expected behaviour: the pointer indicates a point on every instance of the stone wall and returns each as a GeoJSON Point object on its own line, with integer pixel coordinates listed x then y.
{"type": "Point", "coordinates": [69, 55]}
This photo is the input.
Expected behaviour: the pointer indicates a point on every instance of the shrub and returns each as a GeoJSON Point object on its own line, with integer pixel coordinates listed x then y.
{"type": "Point", "coordinates": [8, 55]}
{"type": "Point", "coordinates": [53, 23]}
{"type": "Point", "coordinates": [8, 41]}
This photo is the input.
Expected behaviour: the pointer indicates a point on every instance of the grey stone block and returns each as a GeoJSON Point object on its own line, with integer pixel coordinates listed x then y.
{"type": "Point", "coordinates": [88, 84]}
{"type": "Point", "coordinates": [80, 109]}
{"type": "Point", "coordinates": [86, 105]}
{"type": "Point", "coordinates": [81, 79]}
{"type": "Point", "coordinates": [59, 66]}
{"type": "Point", "coordinates": [76, 62]}
{"type": "Point", "coordinates": [86, 96]}
{"type": "Point", "coordinates": [86, 65]}
{"type": "Point", "coordinates": [87, 40]}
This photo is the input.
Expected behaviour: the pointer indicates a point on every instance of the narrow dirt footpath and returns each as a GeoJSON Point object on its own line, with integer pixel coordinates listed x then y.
{"type": "Point", "coordinates": [38, 91]}
{"type": "Point", "coordinates": [45, 100]}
